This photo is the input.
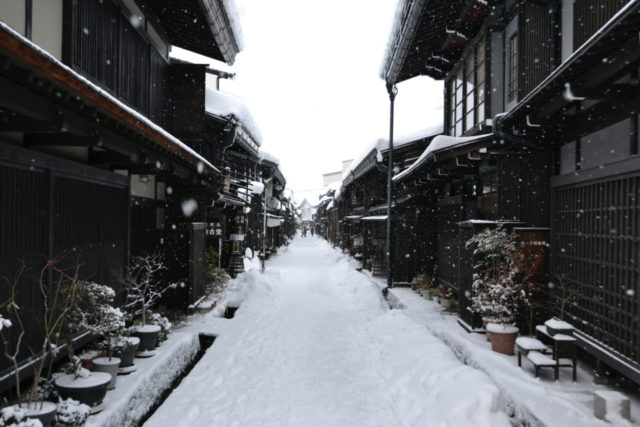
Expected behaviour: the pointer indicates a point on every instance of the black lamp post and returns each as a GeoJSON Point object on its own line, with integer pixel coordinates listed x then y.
{"type": "Point", "coordinates": [392, 90]}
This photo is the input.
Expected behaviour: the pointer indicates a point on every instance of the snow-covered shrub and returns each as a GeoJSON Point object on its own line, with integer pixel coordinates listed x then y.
{"type": "Point", "coordinates": [142, 285]}
{"type": "Point", "coordinates": [58, 297]}
{"type": "Point", "coordinates": [163, 322]}
{"type": "Point", "coordinates": [72, 413]}
{"type": "Point", "coordinates": [12, 416]}
{"type": "Point", "coordinates": [497, 291]}
{"type": "Point", "coordinates": [94, 312]}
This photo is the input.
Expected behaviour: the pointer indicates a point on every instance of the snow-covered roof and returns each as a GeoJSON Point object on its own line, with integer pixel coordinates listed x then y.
{"type": "Point", "coordinates": [256, 187]}
{"type": "Point", "coordinates": [225, 105]}
{"type": "Point", "coordinates": [440, 143]}
{"type": "Point", "coordinates": [382, 145]}
{"type": "Point", "coordinates": [108, 98]}
{"type": "Point", "coordinates": [330, 205]}
{"type": "Point", "coordinates": [268, 157]}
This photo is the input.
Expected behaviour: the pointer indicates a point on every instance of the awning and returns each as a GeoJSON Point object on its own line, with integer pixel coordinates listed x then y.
{"type": "Point", "coordinates": [231, 200]}
{"type": "Point", "coordinates": [274, 221]}
{"type": "Point", "coordinates": [353, 217]}
{"type": "Point", "coordinates": [439, 144]}
{"type": "Point", "coordinates": [374, 218]}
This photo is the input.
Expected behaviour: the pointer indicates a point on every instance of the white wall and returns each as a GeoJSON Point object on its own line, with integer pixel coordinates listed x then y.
{"type": "Point", "coordinates": [46, 26]}
{"type": "Point", "coordinates": [567, 28]}
{"type": "Point", "coordinates": [13, 13]}
{"type": "Point", "coordinates": [143, 189]}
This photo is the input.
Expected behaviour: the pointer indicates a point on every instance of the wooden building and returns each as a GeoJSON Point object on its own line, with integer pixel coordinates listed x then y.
{"type": "Point", "coordinates": [90, 106]}
{"type": "Point", "coordinates": [554, 86]}
{"type": "Point", "coordinates": [362, 200]}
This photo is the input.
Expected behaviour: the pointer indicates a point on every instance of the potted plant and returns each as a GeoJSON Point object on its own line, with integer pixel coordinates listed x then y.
{"type": "Point", "coordinates": [79, 384]}
{"type": "Point", "coordinates": [423, 284]}
{"type": "Point", "coordinates": [445, 296]}
{"type": "Point", "coordinates": [93, 312]}
{"type": "Point", "coordinates": [143, 290]}
{"type": "Point", "coordinates": [72, 413]}
{"type": "Point", "coordinates": [497, 290]}
{"type": "Point", "coordinates": [57, 299]}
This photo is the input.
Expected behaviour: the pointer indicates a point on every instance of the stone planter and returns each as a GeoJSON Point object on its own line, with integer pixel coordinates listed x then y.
{"type": "Point", "coordinates": [446, 303]}
{"type": "Point", "coordinates": [108, 365]}
{"type": "Point", "coordinates": [43, 411]}
{"type": "Point", "coordinates": [148, 335]}
{"type": "Point", "coordinates": [503, 338]}
{"type": "Point", "coordinates": [90, 390]}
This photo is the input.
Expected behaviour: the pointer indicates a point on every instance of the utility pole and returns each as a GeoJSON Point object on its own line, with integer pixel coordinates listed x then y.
{"type": "Point", "coordinates": [392, 90]}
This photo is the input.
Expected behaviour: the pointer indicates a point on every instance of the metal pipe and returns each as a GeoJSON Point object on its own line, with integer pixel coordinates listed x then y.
{"type": "Point", "coordinates": [392, 90]}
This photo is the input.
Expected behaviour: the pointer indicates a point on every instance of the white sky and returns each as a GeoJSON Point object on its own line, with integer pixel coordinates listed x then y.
{"type": "Point", "coordinates": [309, 75]}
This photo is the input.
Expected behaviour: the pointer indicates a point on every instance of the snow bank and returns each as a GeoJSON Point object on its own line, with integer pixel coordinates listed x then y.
{"type": "Point", "coordinates": [427, 384]}
{"type": "Point", "coordinates": [530, 400]}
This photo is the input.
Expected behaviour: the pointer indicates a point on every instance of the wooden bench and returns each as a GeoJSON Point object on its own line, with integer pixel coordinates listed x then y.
{"type": "Point", "coordinates": [525, 345]}
{"type": "Point", "coordinates": [563, 354]}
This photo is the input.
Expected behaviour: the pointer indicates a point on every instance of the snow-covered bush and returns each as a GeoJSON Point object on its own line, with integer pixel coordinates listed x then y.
{"type": "Point", "coordinates": [93, 311]}
{"type": "Point", "coordinates": [143, 286]}
{"type": "Point", "coordinates": [58, 298]}
{"type": "Point", "coordinates": [72, 413]}
{"type": "Point", "coordinates": [497, 291]}
{"type": "Point", "coordinates": [163, 322]}
{"type": "Point", "coordinates": [13, 416]}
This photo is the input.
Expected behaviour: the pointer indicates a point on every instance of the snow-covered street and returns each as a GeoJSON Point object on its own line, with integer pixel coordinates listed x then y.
{"type": "Point", "coordinates": [315, 344]}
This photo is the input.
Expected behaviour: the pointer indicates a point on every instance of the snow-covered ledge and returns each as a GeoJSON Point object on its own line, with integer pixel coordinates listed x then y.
{"type": "Point", "coordinates": [136, 393]}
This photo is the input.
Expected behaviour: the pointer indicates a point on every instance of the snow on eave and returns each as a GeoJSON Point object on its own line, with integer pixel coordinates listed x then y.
{"type": "Point", "coordinates": [438, 144]}
{"type": "Point", "coordinates": [225, 105]}
{"type": "Point", "coordinates": [406, 20]}
{"type": "Point", "coordinates": [268, 157]}
{"type": "Point", "coordinates": [224, 20]}
{"type": "Point", "coordinates": [152, 128]}
{"type": "Point", "coordinates": [382, 145]}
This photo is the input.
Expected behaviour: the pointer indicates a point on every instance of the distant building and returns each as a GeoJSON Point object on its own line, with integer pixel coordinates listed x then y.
{"type": "Point", "coordinates": [331, 177]}
{"type": "Point", "coordinates": [306, 211]}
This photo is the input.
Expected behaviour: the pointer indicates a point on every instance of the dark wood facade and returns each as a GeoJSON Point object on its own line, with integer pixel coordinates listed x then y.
{"type": "Point", "coordinates": [87, 161]}
{"type": "Point", "coordinates": [561, 102]}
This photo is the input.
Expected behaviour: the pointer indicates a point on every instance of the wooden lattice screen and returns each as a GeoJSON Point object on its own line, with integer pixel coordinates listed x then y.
{"type": "Point", "coordinates": [596, 255]}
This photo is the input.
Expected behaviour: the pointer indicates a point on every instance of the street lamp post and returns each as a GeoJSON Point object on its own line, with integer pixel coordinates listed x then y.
{"type": "Point", "coordinates": [392, 90]}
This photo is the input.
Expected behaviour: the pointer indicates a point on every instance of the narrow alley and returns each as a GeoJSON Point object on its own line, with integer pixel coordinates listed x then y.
{"type": "Point", "coordinates": [315, 344]}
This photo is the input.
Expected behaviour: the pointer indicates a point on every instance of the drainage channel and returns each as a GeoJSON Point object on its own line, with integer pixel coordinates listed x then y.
{"type": "Point", "coordinates": [206, 341]}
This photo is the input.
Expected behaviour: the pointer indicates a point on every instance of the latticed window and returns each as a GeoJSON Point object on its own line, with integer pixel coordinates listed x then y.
{"type": "Point", "coordinates": [512, 90]}
{"type": "Point", "coordinates": [466, 91]}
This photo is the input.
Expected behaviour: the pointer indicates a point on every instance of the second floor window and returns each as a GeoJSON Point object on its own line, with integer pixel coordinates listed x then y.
{"type": "Point", "coordinates": [467, 92]}
{"type": "Point", "coordinates": [512, 89]}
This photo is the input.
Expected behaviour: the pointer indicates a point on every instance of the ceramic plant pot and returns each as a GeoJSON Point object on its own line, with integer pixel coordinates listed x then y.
{"type": "Point", "coordinates": [43, 411]}
{"type": "Point", "coordinates": [503, 338]}
{"type": "Point", "coordinates": [148, 335]}
{"type": "Point", "coordinates": [126, 351]}
{"type": "Point", "coordinates": [108, 365]}
{"type": "Point", "coordinates": [90, 390]}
